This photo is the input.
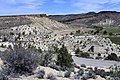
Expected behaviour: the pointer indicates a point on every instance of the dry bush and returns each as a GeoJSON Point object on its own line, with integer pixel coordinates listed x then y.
{"type": "Point", "coordinates": [20, 61]}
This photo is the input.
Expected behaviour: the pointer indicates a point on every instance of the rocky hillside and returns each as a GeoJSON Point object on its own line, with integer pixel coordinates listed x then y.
{"type": "Point", "coordinates": [34, 47]}
{"type": "Point", "coordinates": [38, 20]}
{"type": "Point", "coordinates": [103, 18]}
{"type": "Point", "coordinates": [29, 29]}
{"type": "Point", "coordinates": [42, 32]}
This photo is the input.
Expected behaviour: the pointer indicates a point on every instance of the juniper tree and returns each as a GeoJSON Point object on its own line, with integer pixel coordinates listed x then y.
{"type": "Point", "coordinates": [64, 59]}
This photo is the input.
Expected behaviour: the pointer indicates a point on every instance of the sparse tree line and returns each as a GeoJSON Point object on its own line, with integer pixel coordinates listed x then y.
{"type": "Point", "coordinates": [99, 29]}
{"type": "Point", "coordinates": [111, 56]}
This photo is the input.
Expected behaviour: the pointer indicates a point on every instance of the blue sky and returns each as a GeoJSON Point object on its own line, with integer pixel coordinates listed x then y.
{"type": "Point", "coordinates": [10, 7]}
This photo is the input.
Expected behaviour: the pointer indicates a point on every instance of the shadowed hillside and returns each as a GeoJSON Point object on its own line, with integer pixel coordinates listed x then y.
{"type": "Point", "coordinates": [103, 18]}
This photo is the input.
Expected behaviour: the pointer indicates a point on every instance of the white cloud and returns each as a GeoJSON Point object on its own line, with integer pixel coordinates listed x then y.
{"type": "Point", "coordinates": [87, 6]}
{"type": "Point", "coordinates": [29, 3]}
{"type": "Point", "coordinates": [95, 5]}
{"type": "Point", "coordinates": [20, 6]}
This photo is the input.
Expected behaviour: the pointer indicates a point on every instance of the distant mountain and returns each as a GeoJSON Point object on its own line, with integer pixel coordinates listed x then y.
{"type": "Point", "coordinates": [103, 18]}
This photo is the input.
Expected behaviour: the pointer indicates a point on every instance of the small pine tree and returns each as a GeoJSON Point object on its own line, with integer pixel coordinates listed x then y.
{"type": "Point", "coordinates": [112, 56]}
{"type": "Point", "coordinates": [77, 51]}
{"type": "Point", "coordinates": [64, 58]}
{"type": "Point", "coordinates": [71, 33]}
{"type": "Point", "coordinates": [78, 31]}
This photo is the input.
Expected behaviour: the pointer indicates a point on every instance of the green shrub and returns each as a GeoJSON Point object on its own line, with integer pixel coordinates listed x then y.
{"type": "Point", "coordinates": [78, 32]}
{"type": "Point", "coordinates": [83, 65]}
{"type": "Point", "coordinates": [104, 32]}
{"type": "Point", "coordinates": [77, 51]}
{"type": "Point", "coordinates": [11, 33]}
{"type": "Point", "coordinates": [81, 54]}
{"type": "Point", "coordinates": [110, 33]}
{"type": "Point", "coordinates": [96, 32]}
{"type": "Point", "coordinates": [64, 59]}
{"type": "Point", "coordinates": [112, 56]}
{"type": "Point", "coordinates": [85, 55]}
{"type": "Point", "coordinates": [71, 33]}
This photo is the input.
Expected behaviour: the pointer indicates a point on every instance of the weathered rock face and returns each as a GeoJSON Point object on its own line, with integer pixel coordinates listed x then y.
{"type": "Point", "coordinates": [103, 18]}
{"type": "Point", "coordinates": [11, 21]}
{"type": "Point", "coordinates": [17, 20]}
{"type": "Point", "coordinates": [34, 20]}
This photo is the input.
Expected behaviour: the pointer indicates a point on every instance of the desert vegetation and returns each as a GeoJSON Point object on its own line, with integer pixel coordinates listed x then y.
{"type": "Point", "coordinates": [20, 61]}
{"type": "Point", "coordinates": [81, 54]}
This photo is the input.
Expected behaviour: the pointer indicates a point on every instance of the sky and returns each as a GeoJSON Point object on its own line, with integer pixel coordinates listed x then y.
{"type": "Point", "coordinates": [56, 7]}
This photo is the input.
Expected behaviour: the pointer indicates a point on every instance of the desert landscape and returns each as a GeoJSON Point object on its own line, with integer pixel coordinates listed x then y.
{"type": "Point", "coordinates": [60, 47]}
